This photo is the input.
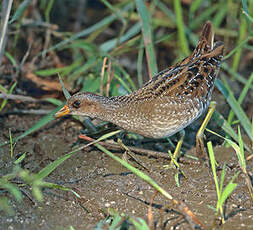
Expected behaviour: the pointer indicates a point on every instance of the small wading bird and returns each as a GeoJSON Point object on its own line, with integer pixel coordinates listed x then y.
{"type": "Point", "coordinates": [166, 104]}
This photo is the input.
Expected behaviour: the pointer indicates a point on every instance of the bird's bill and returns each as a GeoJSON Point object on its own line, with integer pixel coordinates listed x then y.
{"type": "Point", "coordinates": [64, 111]}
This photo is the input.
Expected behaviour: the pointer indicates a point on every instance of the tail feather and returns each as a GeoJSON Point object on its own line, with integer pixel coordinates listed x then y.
{"type": "Point", "coordinates": [207, 34]}
{"type": "Point", "coordinates": [206, 46]}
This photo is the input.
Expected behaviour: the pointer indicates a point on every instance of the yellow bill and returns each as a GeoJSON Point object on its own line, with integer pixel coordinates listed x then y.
{"type": "Point", "coordinates": [64, 111]}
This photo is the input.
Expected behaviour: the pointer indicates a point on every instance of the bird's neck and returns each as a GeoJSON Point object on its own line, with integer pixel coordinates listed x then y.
{"type": "Point", "coordinates": [118, 110]}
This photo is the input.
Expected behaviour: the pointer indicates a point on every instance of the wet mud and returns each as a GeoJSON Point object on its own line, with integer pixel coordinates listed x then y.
{"type": "Point", "coordinates": [102, 183]}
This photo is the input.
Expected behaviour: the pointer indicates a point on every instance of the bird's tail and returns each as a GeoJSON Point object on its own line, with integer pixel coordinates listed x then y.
{"type": "Point", "coordinates": [206, 46]}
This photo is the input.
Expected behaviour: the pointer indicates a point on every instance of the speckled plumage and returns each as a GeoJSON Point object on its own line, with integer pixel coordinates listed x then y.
{"type": "Point", "coordinates": [167, 103]}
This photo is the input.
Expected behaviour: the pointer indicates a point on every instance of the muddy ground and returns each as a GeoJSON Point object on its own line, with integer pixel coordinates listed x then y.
{"type": "Point", "coordinates": [100, 181]}
{"type": "Point", "coordinates": [103, 183]}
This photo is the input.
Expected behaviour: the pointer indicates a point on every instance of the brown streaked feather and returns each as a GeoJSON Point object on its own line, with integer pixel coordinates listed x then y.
{"type": "Point", "coordinates": [167, 103]}
{"type": "Point", "coordinates": [185, 77]}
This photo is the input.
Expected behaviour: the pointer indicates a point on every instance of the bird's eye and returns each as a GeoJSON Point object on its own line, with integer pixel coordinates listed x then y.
{"type": "Point", "coordinates": [76, 104]}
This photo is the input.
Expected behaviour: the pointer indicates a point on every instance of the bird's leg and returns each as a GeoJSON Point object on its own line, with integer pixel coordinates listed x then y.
{"type": "Point", "coordinates": [200, 148]}
{"type": "Point", "coordinates": [178, 147]}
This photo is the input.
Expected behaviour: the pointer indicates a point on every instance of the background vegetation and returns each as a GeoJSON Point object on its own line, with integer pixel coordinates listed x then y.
{"type": "Point", "coordinates": [112, 48]}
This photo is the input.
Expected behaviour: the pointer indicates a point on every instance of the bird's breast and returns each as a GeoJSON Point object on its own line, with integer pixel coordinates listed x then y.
{"type": "Point", "coordinates": [157, 118]}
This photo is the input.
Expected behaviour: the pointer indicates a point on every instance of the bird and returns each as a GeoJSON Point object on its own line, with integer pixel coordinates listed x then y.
{"type": "Point", "coordinates": [166, 104]}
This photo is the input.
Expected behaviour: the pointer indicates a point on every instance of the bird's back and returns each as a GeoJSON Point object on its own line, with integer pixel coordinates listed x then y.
{"type": "Point", "coordinates": [177, 96]}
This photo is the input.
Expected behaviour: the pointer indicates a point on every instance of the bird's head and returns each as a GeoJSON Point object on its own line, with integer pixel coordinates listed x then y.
{"type": "Point", "coordinates": [84, 104]}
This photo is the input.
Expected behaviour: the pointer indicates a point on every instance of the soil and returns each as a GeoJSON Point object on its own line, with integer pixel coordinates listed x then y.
{"type": "Point", "coordinates": [102, 183]}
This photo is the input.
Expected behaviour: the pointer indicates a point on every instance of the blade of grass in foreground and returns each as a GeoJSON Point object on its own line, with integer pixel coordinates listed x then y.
{"type": "Point", "coordinates": [228, 94]}
{"type": "Point", "coordinates": [192, 219]}
{"type": "Point", "coordinates": [60, 187]}
{"type": "Point", "coordinates": [136, 171]}
{"type": "Point", "coordinates": [9, 92]}
{"type": "Point", "coordinates": [147, 37]}
{"type": "Point", "coordinates": [43, 121]}
{"type": "Point", "coordinates": [52, 166]}
{"type": "Point", "coordinates": [234, 74]}
{"type": "Point", "coordinates": [239, 150]}
{"type": "Point", "coordinates": [222, 194]}
{"type": "Point", "coordinates": [241, 97]}
{"type": "Point", "coordinates": [241, 157]}
{"type": "Point", "coordinates": [227, 127]}
{"type": "Point", "coordinates": [232, 52]}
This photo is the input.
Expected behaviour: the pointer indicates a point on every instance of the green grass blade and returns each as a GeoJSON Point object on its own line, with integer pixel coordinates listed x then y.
{"type": "Point", "coordinates": [90, 63]}
{"type": "Point", "coordinates": [114, 10]}
{"type": "Point", "coordinates": [60, 187]}
{"type": "Point", "coordinates": [194, 6]}
{"type": "Point", "coordinates": [147, 37]}
{"type": "Point", "coordinates": [9, 92]}
{"type": "Point", "coordinates": [83, 33]}
{"type": "Point", "coordinates": [181, 28]}
{"type": "Point", "coordinates": [13, 189]}
{"type": "Point", "coordinates": [242, 157]}
{"type": "Point", "coordinates": [52, 166]}
{"type": "Point", "coordinates": [242, 34]}
{"type": "Point", "coordinates": [246, 13]}
{"type": "Point", "coordinates": [252, 129]}
{"type": "Point", "coordinates": [49, 72]}
{"type": "Point", "coordinates": [65, 91]}
{"type": "Point", "coordinates": [219, 119]}
{"type": "Point", "coordinates": [43, 121]}
{"type": "Point", "coordinates": [241, 97]}
{"type": "Point", "coordinates": [127, 77]}
{"type": "Point", "coordinates": [136, 171]}
{"type": "Point", "coordinates": [53, 101]}
{"type": "Point", "coordinates": [111, 44]}
{"type": "Point", "coordinates": [116, 222]}
{"type": "Point", "coordinates": [237, 48]}
{"type": "Point", "coordinates": [234, 74]}
{"type": "Point", "coordinates": [48, 10]}
{"type": "Point", "coordinates": [221, 14]}
{"type": "Point", "coordinates": [11, 142]}
{"type": "Point", "coordinates": [139, 65]}
{"type": "Point", "coordinates": [12, 59]}
{"type": "Point", "coordinates": [171, 19]}
{"type": "Point", "coordinates": [228, 94]}
{"type": "Point", "coordinates": [249, 18]}
{"type": "Point", "coordinates": [238, 149]}
{"type": "Point", "coordinates": [5, 206]}
{"type": "Point", "coordinates": [213, 166]}
{"type": "Point", "coordinates": [200, 20]}
{"type": "Point", "coordinates": [20, 159]}
{"type": "Point", "coordinates": [123, 83]}
{"type": "Point", "coordinates": [63, 70]}
{"type": "Point", "coordinates": [3, 90]}
{"type": "Point", "coordinates": [140, 224]}
{"type": "Point", "coordinates": [19, 11]}
{"type": "Point", "coordinates": [223, 174]}
{"type": "Point", "coordinates": [228, 190]}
